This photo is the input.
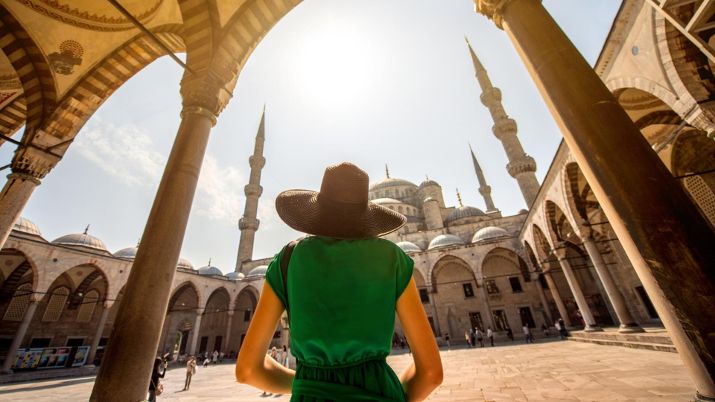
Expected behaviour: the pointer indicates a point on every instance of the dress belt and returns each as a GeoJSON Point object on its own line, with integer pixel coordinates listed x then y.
{"type": "Point", "coordinates": [329, 391]}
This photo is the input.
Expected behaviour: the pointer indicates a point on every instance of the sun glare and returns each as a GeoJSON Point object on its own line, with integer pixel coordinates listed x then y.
{"type": "Point", "coordinates": [336, 65]}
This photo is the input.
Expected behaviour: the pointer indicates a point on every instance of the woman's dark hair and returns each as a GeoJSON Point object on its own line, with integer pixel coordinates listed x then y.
{"type": "Point", "coordinates": [157, 363]}
{"type": "Point", "coordinates": [284, 348]}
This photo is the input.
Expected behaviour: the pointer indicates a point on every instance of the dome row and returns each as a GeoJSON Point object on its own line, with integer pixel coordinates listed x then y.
{"type": "Point", "coordinates": [85, 240]}
{"type": "Point", "coordinates": [444, 240]}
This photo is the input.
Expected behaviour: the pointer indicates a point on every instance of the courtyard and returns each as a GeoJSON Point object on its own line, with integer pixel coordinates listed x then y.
{"type": "Point", "coordinates": [545, 371]}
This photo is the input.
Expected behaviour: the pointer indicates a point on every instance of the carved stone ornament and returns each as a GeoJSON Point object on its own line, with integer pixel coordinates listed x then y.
{"type": "Point", "coordinates": [69, 56]}
{"type": "Point", "coordinates": [207, 94]}
{"type": "Point", "coordinates": [33, 163]}
{"type": "Point", "coordinates": [492, 9]}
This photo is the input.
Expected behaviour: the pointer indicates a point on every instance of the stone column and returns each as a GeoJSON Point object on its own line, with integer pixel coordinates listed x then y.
{"type": "Point", "coordinates": [575, 287]}
{"type": "Point", "coordinates": [557, 299]}
{"type": "Point", "coordinates": [228, 331]}
{"type": "Point", "coordinates": [542, 298]}
{"type": "Point", "coordinates": [19, 336]}
{"type": "Point", "coordinates": [98, 334]}
{"type": "Point", "coordinates": [195, 334]}
{"type": "Point", "coordinates": [17, 191]}
{"type": "Point", "coordinates": [138, 325]}
{"type": "Point", "coordinates": [628, 324]}
{"type": "Point", "coordinates": [485, 300]}
{"type": "Point", "coordinates": [667, 240]}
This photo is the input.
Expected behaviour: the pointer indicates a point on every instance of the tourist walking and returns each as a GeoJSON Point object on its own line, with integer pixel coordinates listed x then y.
{"type": "Point", "coordinates": [480, 337]}
{"type": "Point", "coordinates": [284, 356]}
{"type": "Point", "coordinates": [190, 371]}
{"type": "Point", "coordinates": [214, 357]}
{"type": "Point", "coordinates": [528, 337]}
{"type": "Point", "coordinates": [155, 386]}
{"type": "Point", "coordinates": [343, 260]}
{"type": "Point", "coordinates": [446, 338]}
{"type": "Point", "coordinates": [490, 335]}
{"type": "Point", "coordinates": [206, 361]}
{"type": "Point", "coordinates": [563, 333]}
{"type": "Point", "coordinates": [468, 338]}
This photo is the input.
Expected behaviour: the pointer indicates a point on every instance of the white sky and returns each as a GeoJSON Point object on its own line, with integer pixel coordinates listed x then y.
{"type": "Point", "coordinates": [371, 82]}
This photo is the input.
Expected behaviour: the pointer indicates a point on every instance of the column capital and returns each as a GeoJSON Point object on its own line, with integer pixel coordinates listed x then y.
{"type": "Point", "coordinates": [586, 232]}
{"type": "Point", "coordinates": [32, 164]}
{"type": "Point", "coordinates": [206, 94]}
{"type": "Point", "coordinates": [493, 9]}
{"type": "Point", "coordinates": [560, 251]}
{"type": "Point", "coordinates": [108, 304]}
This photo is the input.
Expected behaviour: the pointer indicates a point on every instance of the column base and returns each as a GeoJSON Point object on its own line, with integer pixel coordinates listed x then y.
{"type": "Point", "coordinates": [592, 328]}
{"type": "Point", "coordinates": [702, 398]}
{"type": "Point", "coordinates": [630, 329]}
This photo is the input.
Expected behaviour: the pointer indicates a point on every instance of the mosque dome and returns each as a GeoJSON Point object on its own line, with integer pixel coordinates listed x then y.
{"type": "Point", "coordinates": [489, 233]}
{"type": "Point", "coordinates": [80, 240]}
{"type": "Point", "coordinates": [391, 182]}
{"type": "Point", "coordinates": [128, 253]}
{"type": "Point", "coordinates": [257, 272]}
{"type": "Point", "coordinates": [463, 212]}
{"type": "Point", "coordinates": [523, 211]}
{"type": "Point", "coordinates": [444, 241]}
{"type": "Point", "coordinates": [408, 246]}
{"type": "Point", "coordinates": [235, 276]}
{"type": "Point", "coordinates": [26, 226]}
{"type": "Point", "coordinates": [184, 263]}
{"type": "Point", "coordinates": [381, 201]}
{"type": "Point", "coordinates": [428, 183]}
{"type": "Point", "coordinates": [210, 271]}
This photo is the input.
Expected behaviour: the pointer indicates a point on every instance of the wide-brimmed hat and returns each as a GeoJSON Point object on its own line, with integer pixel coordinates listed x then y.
{"type": "Point", "coordinates": [340, 209]}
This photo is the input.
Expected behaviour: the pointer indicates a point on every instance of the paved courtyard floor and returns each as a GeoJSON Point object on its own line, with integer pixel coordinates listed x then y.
{"type": "Point", "coordinates": [547, 371]}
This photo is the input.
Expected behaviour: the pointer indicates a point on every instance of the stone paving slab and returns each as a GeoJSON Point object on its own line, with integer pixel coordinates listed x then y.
{"type": "Point", "coordinates": [548, 371]}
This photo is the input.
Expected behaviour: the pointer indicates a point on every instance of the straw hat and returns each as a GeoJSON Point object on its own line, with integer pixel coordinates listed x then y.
{"type": "Point", "coordinates": [340, 209]}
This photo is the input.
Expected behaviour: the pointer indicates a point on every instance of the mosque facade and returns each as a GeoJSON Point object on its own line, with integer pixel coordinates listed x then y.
{"type": "Point", "coordinates": [474, 266]}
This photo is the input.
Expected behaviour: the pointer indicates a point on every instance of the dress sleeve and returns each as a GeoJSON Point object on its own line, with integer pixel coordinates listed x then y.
{"type": "Point", "coordinates": [274, 278]}
{"type": "Point", "coordinates": [404, 268]}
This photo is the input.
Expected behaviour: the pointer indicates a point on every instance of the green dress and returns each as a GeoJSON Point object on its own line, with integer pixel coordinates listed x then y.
{"type": "Point", "coordinates": [342, 296]}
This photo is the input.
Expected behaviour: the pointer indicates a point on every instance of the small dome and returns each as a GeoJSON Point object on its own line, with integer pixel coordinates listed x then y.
{"type": "Point", "coordinates": [463, 212]}
{"type": "Point", "coordinates": [444, 241]}
{"type": "Point", "coordinates": [428, 183]}
{"type": "Point", "coordinates": [391, 182]}
{"type": "Point", "coordinates": [129, 253]}
{"type": "Point", "coordinates": [184, 263]}
{"type": "Point", "coordinates": [235, 276]}
{"type": "Point", "coordinates": [523, 211]}
{"type": "Point", "coordinates": [210, 271]}
{"type": "Point", "coordinates": [26, 226]}
{"type": "Point", "coordinates": [428, 199]}
{"type": "Point", "coordinates": [488, 233]}
{"type": "Point", "coordinates": [80, 240]}
{"type": "Point", "coordinates": [380, 201]}
{"type": "Point", "coordinates": [408, 246]}
{"type": "Point", "coordinates": [259, 271]}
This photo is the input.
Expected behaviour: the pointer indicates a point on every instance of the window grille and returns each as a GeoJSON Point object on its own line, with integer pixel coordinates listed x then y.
{"type": "Point", "coordinates": [56, 304]}
{"type": "Point", "coordinates": [86, 309]}
{"type": "Point", "coordinates": [20, 300]}
{"type": "Point", "coordinates": [703, 196]}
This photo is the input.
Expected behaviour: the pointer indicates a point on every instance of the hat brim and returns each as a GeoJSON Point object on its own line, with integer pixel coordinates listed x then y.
{"type": "Point", "coordinates": [303, 211]}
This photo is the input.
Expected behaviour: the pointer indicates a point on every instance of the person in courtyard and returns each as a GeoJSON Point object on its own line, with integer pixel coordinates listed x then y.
{"type": "Point", "coordinates": [221, 355]}
{"type": "Point", "coordinates": [206, 361]}
{"type": "Point", "coordinates": [545, 329]}
{"type": "Point", "coordinates": [156, 374]}
{"type": "Point", "coordinates": [480, 337]}
{"type": "Point", "coordinates": [468, 339]}
{"type": "Point", "coordinates": [528, 337]}
{"type": "Point", "coordinates": [341, 287]}
{"type": "Point", "coordinates": [214, 357]}
{"type": "Point", "coordinates": [563, 333]}
{"type": "Point", "coordinates": [473, 337]}
{"type": "Point", "coordinates": [190, 371]}
{"type": "Point", "coordinates": [446, 339]}
{"type": "Point", "coordinates": [490, 336]}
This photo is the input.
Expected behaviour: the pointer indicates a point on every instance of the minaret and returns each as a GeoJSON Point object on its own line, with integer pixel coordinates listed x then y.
{"type": "Point", "coordinates": [521, 166]}
{"type": "Point", "coordinates": [249, 222]}
{"type": "Point", "coordinates": [484, 189]}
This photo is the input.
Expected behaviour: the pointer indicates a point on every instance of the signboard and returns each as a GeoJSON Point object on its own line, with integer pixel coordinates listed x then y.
{"type": "Point", "coordinates": [47, 358]}
{"type": "Point", "coordinates": [28, 358]}
{"type": "Point", "coordinates": [80, 357]}
{"type": "Point", "coordinates": [54, 358]}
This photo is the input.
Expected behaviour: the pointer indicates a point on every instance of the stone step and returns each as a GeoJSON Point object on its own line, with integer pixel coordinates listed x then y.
{"type": "Point", "coordinates": [643, 337]}
{"type": "Point", "coordinates": [635, 345]}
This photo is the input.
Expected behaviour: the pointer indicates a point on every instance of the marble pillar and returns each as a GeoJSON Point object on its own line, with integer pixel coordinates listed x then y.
{"type": "Point", "coordinates": [557, 299]}
{"type": "Point", "coordinates": [19, 336]}
{"type": "Point", "coordinates": [98, 334]}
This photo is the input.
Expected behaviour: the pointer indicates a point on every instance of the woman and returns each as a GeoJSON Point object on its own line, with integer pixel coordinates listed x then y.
{"type": "Point", "coordinates": [284, 356]}
{"type": "Point", "coordinates": [158, 372]}
{"type": "Point", "coordinates": [341, 292]}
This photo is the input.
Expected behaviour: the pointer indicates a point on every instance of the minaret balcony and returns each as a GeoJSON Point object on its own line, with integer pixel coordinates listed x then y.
{"type": "Point", "coordinates": [253, 190]}
{"type": "Point", "coordinates": [256, 161]}
{"type": "Point", "coordinates": [526, 164]}
{"type": "Point", "coordinates": [248, 223]}
{"type": "Point", "coordinates": [504, 127]}
{"type": "Point", "coordinates": [490, 97]}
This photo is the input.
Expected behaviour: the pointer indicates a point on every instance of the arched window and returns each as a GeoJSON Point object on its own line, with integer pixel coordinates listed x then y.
{"type": "Point", "coordinates": [56, 304]}
{"type": "Point", "coordinates": [20, 300]}
{"type": "Point", "coordinates": [86, 309]}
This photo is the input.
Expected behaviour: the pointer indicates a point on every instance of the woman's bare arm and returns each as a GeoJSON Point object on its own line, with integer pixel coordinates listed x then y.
{"type": "Point", "coordinates": [425, 374]}
{"type": "Point", "coordinates": [254, 367]}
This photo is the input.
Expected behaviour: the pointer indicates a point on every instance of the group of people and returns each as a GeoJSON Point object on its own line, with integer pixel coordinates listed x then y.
{"type": "Point", "coordinates": [282, 357]}
{"type": "Point", "coordinates": [476, 335]}
{"type": "Point", "coordinates": [160, 365]}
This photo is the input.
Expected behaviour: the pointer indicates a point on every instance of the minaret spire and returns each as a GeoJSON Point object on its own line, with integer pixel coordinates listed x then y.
{"type": "Point", "coordinates": [484, 189]}
{"type": "Point", "coordinates": [248, 224]}
{"type": "Point", "coordinates": [521, 166]}
{"type": "Point", "coordinates": [387, 171]}
{"type": "Point", "coordinates": [459, 199]}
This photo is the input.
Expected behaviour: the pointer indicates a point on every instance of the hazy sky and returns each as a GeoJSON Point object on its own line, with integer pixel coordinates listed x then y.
{"type": "Point", "coordinates": [368, 81]}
